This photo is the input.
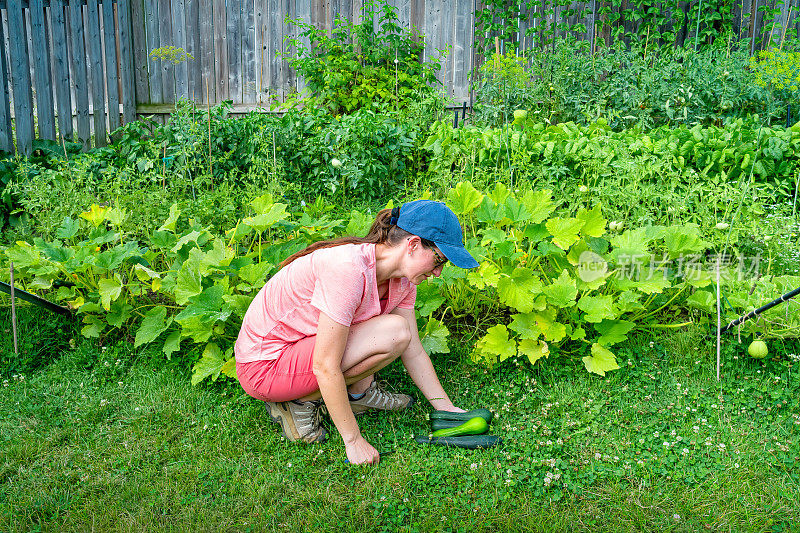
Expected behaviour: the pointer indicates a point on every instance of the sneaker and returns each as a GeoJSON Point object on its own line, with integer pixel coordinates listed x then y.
{"type": "Point", "coordinates": [376, 397]}
{"type": "Point", "coordinates": [300, 421]}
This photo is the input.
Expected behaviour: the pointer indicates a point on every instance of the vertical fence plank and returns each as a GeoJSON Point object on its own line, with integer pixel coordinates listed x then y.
{"type": "Point", "coordinates": [112, 74]}
{"type": "Point", "coordinates": [166, 38]}
{"type": "Point", "coordinates": [221, 49]}
{"type": "Point", "coordinates": [286, 73]}
{"type": "Point", "coordinates": [194, 86]}
{"type": "Point", "coordinates": [61, 79]}
{"type": "Point", "coordinates": [234, 25]}
{"type": "Point", "coordinates": [20, 78]}
{"type": "Point", "coordinates": [263, 14]}
{"type": "Point", "coordinates": [80, 81]}
{"type": "Point", "coordinates": [462, 50]}
{"type": "Point", "coordinates": [208, 85]}
{"type": "Point", "coordinates": [303, 12]}
{"type": "Point", "coordinates": [126, 44]}
{"type": "Point", "coordinates": [249, 74]}
{"type": "Point", "coordinates": [94, 44]}
{"type": "Point", "coordinates": [141, 72]}
{"type": "Point", "coordinates": [44, 85]}
{"type": "Point", "coordinates": [179, 36]}
{"type": "Point", "coordinates": [152, 41]}
{"type": "Point", "coordinates": [6, 142]}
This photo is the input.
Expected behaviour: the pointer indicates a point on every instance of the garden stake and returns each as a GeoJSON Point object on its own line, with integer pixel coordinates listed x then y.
{"type": "Point", "coordinates": [719, 321]}
{"type": "Point", "coordinates": [13, 311]}
{"type": "Point", "coordinates": [786, 297]}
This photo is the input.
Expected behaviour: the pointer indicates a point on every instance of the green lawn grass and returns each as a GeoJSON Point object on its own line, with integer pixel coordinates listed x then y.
{"type": "Point", "coordinates": [114, 440]}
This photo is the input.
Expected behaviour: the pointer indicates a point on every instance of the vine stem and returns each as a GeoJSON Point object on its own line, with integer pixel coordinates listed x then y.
{"type": "Point", "coordinates": [639, 317]}
{"type": "Point", "coordinates": [669, 326]}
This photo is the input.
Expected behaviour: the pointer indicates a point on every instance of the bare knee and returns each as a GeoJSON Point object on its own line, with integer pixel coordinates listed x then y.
{"type": "Point", "coordinates": [398, 335]}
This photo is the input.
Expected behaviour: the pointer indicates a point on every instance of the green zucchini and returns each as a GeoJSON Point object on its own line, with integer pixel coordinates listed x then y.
{"type": "Point", "coordinates": [470, 442]}
{"type": "Point", "coordinates": [463, 417]}
{"type": "Point", "coordinates": [473, 426]}
{"type": "Point", "coordinates": [437, 424]}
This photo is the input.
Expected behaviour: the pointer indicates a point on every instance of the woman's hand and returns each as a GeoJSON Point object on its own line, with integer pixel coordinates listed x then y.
{"type": "Point", "coordinates": [361, 452]}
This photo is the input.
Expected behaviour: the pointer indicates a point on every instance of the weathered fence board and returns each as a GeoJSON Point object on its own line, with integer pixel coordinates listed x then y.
{"type": "Point", "coordinates": [44, 87]}
{"type": "Point", "coordinates": [20, 77]}
{"type": "Point", "coordinates": [192, 20]}
{"type": "Point", "coordinates": [58, 31]}
{"type": "Point", "coordinates": [153, 41]}
{"type": "Point", "coordinates": [221, 50]}
{"type": "Point", "coordinates": [96, 68]}
{"type": "Point", "coordinates": [249, 73]}
{"type": "Point", "coordinates": [112, 62]}
{"type": "Point", "coordinates": [6, 142]}
{"type": "Point", "coordinates": [166, 38]}
{"type": "Point", "coordinates": [208, 85]}
{"type": "Point", "coordinates": [126, 59]}
{"type": "Point", "coordinates": [234, 41]}
{"type": "Point", "coordinates": [179, 40]}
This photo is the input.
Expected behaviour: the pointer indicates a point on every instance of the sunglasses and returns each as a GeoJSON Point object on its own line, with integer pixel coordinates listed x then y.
{"type": "Point", "coordinates": [439, 261]}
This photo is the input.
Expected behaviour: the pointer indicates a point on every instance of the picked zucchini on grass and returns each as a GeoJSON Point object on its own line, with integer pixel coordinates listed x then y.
{"type": "Point", "coordinates": [474, 426]}
{"type": "Point", "coordinates": [470, 442]}
{"type": "Point", "coordinates": [463, 417]}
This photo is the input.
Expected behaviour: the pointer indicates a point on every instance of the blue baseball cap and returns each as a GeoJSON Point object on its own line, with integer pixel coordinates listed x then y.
{"type": "Point", "coordinates": [435, 222]}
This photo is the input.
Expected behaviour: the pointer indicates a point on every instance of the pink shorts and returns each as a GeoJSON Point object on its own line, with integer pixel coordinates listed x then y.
{"type": "Point", "coordinates": [288, 377]}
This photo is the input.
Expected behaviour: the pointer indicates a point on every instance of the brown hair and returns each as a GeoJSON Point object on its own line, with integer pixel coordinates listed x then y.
{"type": "Point", "coordinates": [382, 231]}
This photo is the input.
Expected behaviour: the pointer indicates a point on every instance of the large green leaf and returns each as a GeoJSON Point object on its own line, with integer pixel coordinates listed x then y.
{"type": "Point", "coordinates": [209, 364]}
{"type": "Point", "coordinates": [188, 283]}
{"type": "Point", "coordinates": [534, 349]}
{"type": "Point", "coordinates": [631, 247]}
{"type": "Point", "coordinates": [539, 204]}
{"type": "Point", "coordinates": [434, 337]}
{"type": "Point", "coordinates": [429, 299]}
{"type": "Point", "coordinates": [23, 255]}
{"type": "Point", "coordinates": [598, 308]}
{"type": "Point", "coordinates": [613, 331]}
{"type": "Point", "coordinates": [170, 223]}
{"type": "Point", "coordinates": [703, 300]}
{"type": "Point", "coordinates": [562, 292]}
{"type": "Point", "coordinates": [601, 360]}
{"type": "Point", "coordinates": [119, 313]}
{"type": "Point", "coordinates": [594, 225]}
{"type": "Point", "coordinates": [464, 198]}
{"type": "Point", "coordinates": [525, 325]}
{"type": "Point", "coordinates": [564, 231]}
{"type": "Point", "coordinates": [519, 289]}
{"type": "Point", "coordinates": [255, 274]}
{"type": "Point", "coordinates": [172, 344]}
{"type": "Point", "coordinates": [208, 305]}
{"type": "Point", "coordinates": [495, 345]}
{"type": "Point", "coordinates": [550, 329]}
{"type": "Point", "coordinates": [684, 240]}
{"type": "Point", "coordinates": [264, 221]}
{"type": "Point", "coordinates": [110, 289]}
{"type": "Point", "coordinates": [485, 275]}
{"type": "Point", "coordinates": [516, 213]}
{"type": "Point", "coordinates": [153, 325]}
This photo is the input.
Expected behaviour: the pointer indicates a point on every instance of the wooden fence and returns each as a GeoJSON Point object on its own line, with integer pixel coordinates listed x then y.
{"type": "Point", "coordinates": [69, 65]}
{"type": "Point", "coordinates": [77, 69]}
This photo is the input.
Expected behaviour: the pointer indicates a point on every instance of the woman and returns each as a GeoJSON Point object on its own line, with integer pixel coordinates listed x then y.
{"type": "Point", "coordinates": [339, 311]}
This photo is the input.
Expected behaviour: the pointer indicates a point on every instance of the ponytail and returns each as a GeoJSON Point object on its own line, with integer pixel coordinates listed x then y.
{"type": "Point", "coordinates": [384, 230]}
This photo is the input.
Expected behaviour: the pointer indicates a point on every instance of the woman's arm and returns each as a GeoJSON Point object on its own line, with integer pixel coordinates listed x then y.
{"type": "Point", "coordinates": [327, 366]}
{"type": "Point", "coordinates": [420, 368]}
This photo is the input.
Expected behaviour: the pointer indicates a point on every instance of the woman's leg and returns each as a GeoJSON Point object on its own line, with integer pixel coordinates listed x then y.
{"type": "Point", "coordinates": [371, 345]}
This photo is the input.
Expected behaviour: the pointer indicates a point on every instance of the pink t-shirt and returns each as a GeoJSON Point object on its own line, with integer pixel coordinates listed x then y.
{"type": "Point", "coordinates": [339, 281]}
